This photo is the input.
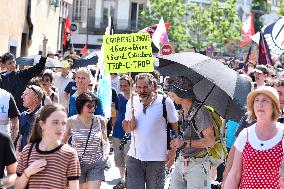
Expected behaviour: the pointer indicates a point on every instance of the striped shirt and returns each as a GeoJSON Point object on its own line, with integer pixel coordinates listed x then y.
{"type": "Point", "coordinates": [62, 166]}
{"type": "Point", "coordinates": [80, 134]}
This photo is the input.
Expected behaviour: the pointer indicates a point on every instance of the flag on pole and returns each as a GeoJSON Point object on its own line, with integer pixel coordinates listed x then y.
{"type": "Point", "coordinates": [274, 37]}
{"type": "Point", "coordinates": [104, 84]}
{"type": "Point", "coordinates": [248, 30]}
{"type": "Point", "coordinates": [152, 29]}
{"type": "Point", "coordinates": [263, 51]}
{"type": "Point", "coordinates": [84, 51]}
{"type": "Point", "coordinates": [66, 34]}
{"type": "Point", "coordinates": [160, 35]}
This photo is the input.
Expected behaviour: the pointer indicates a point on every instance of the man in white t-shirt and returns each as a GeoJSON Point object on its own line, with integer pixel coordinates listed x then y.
{"type": "Point", "coordinates": [148, 149]}
{"type": "Point", "coordinates": [61, 80]}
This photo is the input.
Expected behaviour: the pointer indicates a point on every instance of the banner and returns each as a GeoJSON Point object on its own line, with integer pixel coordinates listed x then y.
{"type": "Point", "coordinates": [66, 34]}
{"type": "Point", "coordinates": [274, 37]}
{"type": "Point", "coordinates": [264, 55]}
{"type": "Point", "coordinates": [128, 53]}
{"type": "Point", "coordinates": [160, 35]}
{"type": "Point", "coordinates": [247, 30]}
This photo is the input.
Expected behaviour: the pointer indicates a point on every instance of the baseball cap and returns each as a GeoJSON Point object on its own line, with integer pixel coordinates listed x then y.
{"type": "Point", "coordinates": [261, 69]}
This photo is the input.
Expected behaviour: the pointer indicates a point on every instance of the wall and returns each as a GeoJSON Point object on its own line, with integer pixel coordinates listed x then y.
{"type": "Point", "coordinates": [12, 21]}
{"type": "Point", "coordinates": [45, 19]}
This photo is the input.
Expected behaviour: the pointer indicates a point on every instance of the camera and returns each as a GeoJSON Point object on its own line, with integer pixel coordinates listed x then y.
{"type": "Point", "coordinates": [124, 141]}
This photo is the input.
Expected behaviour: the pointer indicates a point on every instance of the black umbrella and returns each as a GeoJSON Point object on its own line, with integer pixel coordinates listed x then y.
{"type": "Point", "coordinates": [215, 84]}
{"type": "Point", "coordinates": [34, 59]}
{"type": "Point", "coordinates": [91, 59]}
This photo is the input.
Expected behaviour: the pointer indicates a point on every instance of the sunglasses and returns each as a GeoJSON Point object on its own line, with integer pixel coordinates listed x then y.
{"type": "Point", "coordinates": [46, 80]}
{"type": "Point", "coordinates": [34, 90]}
{"type": "Point", "coordinates": [10, 62]}
{"type": "Point", "coordinates": [91, 105]}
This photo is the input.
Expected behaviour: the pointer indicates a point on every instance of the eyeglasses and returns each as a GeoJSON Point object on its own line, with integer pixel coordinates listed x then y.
{"type": "Point", "coordinates": [91, 105]}
{"type": "Point", "coordinates": [34, 90]}
{"type": "Point", "coordinates": [10, 62]}
{"type": "Point", "coordinates": [46, 80]}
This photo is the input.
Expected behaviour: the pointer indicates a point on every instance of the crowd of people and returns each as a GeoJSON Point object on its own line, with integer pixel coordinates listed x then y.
{"type": "Point", "coordinates": [54, 132]}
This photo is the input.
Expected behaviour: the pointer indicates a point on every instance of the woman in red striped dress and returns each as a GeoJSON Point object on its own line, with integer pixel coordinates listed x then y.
{"type": "Point", "coordinates": [259, 148]}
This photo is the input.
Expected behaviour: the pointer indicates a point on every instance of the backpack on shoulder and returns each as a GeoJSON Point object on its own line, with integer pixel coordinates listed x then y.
{"type": "Point", "coordinates": [217, 153]}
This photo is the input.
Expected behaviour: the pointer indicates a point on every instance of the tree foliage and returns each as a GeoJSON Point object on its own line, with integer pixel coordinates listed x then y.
{"type": "Point", "coordinates": [281, 11]}
{"type": "Point", "coordinates": [194, 25]}
{"type": "Point", "coordinates": [214, 24]}
{"type": "Point", "coordinates": [172, 11]}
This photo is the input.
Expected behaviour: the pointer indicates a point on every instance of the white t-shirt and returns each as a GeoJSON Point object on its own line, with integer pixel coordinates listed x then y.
{"type": "Point", "coordinates": [60, 83]}
{"type": "Point", "coordinates": [255, 142]}
{"type": "Point", "coordinates": [149, 139]}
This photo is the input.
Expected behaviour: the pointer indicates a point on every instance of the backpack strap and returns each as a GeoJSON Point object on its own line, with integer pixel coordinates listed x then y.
{"type": "Point", "coordinates": [169, 126]}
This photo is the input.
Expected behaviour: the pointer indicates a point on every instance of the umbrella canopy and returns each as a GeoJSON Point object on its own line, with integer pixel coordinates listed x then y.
{"type": "Point", "coordinates": [214, 83]}
{"type": "Point", "coordinates": [34, 59]}
{"type": "Point", "coordinates": [90, 59]}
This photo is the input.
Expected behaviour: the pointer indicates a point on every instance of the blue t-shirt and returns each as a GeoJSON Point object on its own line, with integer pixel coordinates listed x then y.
{"type": "Point", "coordinates": [232, 127]}
{"type": "Point", "coordinates": [72, 106]}
{"type": "Point", "coordinates": [71, 88]}
{"type": "Point", "coordinates": [26, 122]}
{"type": "Point", "coordinates": [120, 106]}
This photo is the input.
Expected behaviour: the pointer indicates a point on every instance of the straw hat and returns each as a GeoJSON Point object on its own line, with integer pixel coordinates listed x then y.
{"type": "Point", "coordinates": [268, 91]}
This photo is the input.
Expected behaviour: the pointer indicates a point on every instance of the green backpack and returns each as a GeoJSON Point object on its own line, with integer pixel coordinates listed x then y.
{"type": "Point", "coordinates": [217, 153]}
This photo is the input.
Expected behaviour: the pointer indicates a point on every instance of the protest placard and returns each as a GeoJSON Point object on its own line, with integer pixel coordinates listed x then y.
{"type": "Point", "coordinates": [128, 53]}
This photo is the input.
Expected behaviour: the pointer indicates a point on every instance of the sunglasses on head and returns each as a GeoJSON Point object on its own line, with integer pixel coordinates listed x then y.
{"type": "Point", "coordinates": [33, 89]}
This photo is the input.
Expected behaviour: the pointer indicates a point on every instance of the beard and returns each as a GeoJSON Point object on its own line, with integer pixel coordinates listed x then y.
{"type": "Point", "coordinates": [144, 95]}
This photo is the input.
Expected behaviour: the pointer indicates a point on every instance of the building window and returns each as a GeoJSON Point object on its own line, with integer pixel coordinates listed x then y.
{"type": "Point", "coordinates": [77, 8]}
{"type": "Point", "coordinates": [54, 2]}
{"type": "Point", "coordinates": [109, 9]}
{"type": "Point", "coordinates": [136, 9]}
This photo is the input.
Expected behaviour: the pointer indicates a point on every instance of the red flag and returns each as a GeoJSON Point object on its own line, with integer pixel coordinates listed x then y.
{"type": "Point", "coordinates": [247, 30]}
{"type": "Point", "coordinates": [67, 33]}
{"type": "Point", "coordinates": [84, 50]}
{"type": "Point", "coordinates": [264, 56]}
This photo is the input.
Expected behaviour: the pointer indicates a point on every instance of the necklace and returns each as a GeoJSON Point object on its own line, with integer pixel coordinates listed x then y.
{"type": "Point", "coordinates": [145, 107]}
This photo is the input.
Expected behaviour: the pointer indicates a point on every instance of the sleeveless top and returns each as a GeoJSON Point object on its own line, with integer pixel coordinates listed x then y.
{"type": "Point", "coordinates": [4, 108]}
{"type": "Point", "coordinates": [260, 169]}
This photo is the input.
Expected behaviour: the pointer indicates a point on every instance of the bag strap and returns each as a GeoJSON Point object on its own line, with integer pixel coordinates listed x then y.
{"type": "Point", "coordinates": [80, 158]}
{"type": "Point", "coordinates": [165, 114]}
{"type": "Point", "coordinates": [29, 155]}
{"type": "Point", "coordinates": [30, 152]}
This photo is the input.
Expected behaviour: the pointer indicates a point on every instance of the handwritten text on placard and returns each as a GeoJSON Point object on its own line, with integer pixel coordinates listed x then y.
{"type": "Point", "coordinates": [128, 53]}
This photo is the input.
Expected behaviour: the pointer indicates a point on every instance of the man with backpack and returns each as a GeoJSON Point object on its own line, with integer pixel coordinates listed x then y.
{"type": "Point", "coordinates": [148, 153]}
{"type": "Point", "coordinates": [192, 168]}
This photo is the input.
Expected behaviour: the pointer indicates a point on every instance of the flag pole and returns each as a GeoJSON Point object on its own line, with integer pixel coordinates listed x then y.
{"type": "Point", "coordinates": [132, 112]}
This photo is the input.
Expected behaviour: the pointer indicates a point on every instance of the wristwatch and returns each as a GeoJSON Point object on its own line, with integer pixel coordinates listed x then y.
{"type": "Point", "coordinates": [1, 183]}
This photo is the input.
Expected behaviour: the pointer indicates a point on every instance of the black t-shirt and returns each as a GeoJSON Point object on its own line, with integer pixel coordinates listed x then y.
{"type": "Point", "coordinates": [7, 152]}
{"type": "Point", "coordinates": [13, 110]}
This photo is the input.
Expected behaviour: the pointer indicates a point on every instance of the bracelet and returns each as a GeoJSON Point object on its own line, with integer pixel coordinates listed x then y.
{"type": "Point", "coordinates": [26, 174]}
{"type": "Point", "coordinates": [183, 146]}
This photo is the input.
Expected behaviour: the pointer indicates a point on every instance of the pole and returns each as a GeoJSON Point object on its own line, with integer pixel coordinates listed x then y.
{"type": "Point", "coordinates": [87, 39]}
{"type": "Point", "coordinates": [132, 112]}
